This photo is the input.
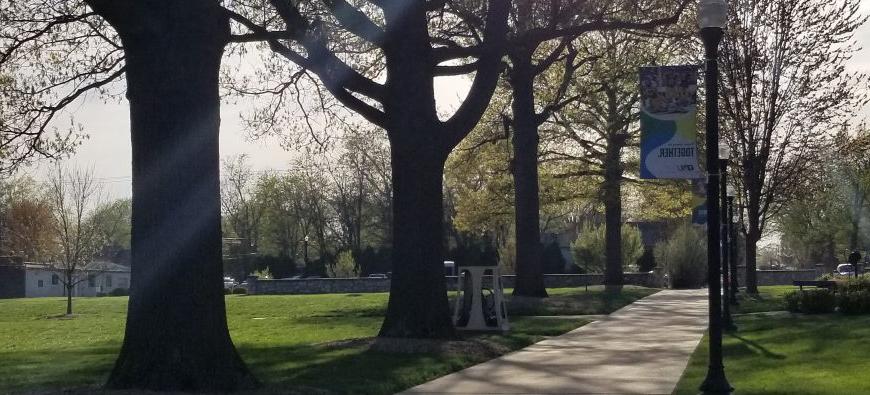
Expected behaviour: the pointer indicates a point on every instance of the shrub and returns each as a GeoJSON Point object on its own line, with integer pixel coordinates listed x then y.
{"type": "Point", "coordinates": [120, 292]}
{"type": "Point", "coordinates": [263, 274]}
{"type": "Point", "coordinates": [854, 301]}
{"type": "Point", "coordinates": [344, 266]}
{"type": "Point", "coordinates": [588, 250]}
{"type": "Point", "coordinates": [813, 301]}
{"type": "Point", "coordinates": [684, 258]}
{"type": "Point", "coordinates": [853, 284]}
{"type": "Point", "coordinates": [227, 291]}
{"type": "Point", "coordinates": [791, 301]}
{"type": "Point", "coordinates": [826, 277]}
{"type": "Point", "coordinates": [647, 261]}
{"type": "Point", "coordinates": [239, 291]}
{"type": "Point", "coordinates": [553, 261]}
{"type": "Point", "coordinates": [507, 254]}
{"type": "Point", "coordinates": [372, 260]}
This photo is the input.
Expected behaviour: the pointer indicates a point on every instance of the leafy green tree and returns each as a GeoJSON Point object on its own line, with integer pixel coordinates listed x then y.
{"type": "Point", "coordinates": [361, 191]}
{"type": "Point", "coordinates": [852, 165]}
{"type": "Point", "coordinates": [343, 267]}
{"type": "Point", "coordinates": [25, 220]}
{"type": "Point", "coordinates": [112, 222]}
{"type": "Point", "coordinates": [590, 246]}
{"type": "Point", "coordinates": [831, 216]}
{"type": "Point", "coordinates": [684, 257]}
{"type": "Point", "coordinates": [597, 136]}
{"type": "Point", "coordinates": [265, 274]}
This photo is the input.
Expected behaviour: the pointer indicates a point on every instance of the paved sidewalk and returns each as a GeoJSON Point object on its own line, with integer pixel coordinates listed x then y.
{"type": "Point", "coordinates": [641, 349]}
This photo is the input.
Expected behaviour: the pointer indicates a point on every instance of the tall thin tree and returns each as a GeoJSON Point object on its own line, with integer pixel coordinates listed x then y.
{"type": "Point", "coordinates": [73, 193]}
{"type": "Point", "coordinates": [784, 88]}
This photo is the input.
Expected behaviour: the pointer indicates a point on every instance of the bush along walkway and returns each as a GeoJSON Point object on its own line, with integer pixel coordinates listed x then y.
{"type": "Point", "coordinates": [642, 348]}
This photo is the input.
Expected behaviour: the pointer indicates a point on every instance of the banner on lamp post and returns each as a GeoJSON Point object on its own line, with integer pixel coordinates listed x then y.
{"type": "Point", "coordinates": [668, 132]}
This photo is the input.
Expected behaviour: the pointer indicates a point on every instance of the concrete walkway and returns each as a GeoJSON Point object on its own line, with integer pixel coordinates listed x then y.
{"type": "Point", "coordinates": [641, 349]}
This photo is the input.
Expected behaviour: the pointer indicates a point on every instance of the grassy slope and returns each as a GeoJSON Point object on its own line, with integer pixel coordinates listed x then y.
{"type": "Point", "coordinates": [285, 340]}
{"type": "Point", "coordinates": [788, 354]}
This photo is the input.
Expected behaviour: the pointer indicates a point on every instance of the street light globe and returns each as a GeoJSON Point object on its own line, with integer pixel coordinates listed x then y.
{"type": "Point", "coordinates": [712, 13]}
{"type": "Point", "coordinates": [724, 151]}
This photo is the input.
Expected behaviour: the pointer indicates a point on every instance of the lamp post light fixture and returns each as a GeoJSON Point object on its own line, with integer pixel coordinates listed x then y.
{"type": "Point", "coordinates": [305, 251]}
{"type": "Point", "coordinates": [712, 16]}
{"type": "Point", "coordinates": [732, 246]}
{"type": "Point", "coordinates": [725, 222]}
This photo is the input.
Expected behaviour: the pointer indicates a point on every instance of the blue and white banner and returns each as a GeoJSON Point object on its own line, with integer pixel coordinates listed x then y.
{"type": "Point", "coordinates": [668, 135]}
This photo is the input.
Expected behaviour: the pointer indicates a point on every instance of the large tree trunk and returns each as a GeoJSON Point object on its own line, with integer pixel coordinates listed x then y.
{"type": "Point", "coordinates": [856, 218]}
{"type": "Point", "coordinates": [529, 270]}
{"type": "Point", "coordinates": [176, 338]}
{"type": "Point", "coordinates": [752, 238]}
{"type": "Point", "coordinates": [418, 306]}
{"type": "Point", "coordinates": [753, 182]}
{"type": "Point", "coordinates": [612, 195]}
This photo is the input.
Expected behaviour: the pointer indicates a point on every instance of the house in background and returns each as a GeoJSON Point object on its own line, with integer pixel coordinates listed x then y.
{"type": "Point", "coordinates": [29, 280]}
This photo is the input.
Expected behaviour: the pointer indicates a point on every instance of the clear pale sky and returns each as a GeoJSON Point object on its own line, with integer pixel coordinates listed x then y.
{"type": "Point", "coordinates": [108, 147]}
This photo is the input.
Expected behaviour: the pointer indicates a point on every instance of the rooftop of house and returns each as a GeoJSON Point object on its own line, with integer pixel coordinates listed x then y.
{"type": "Point", "coordinates": [98, 266]}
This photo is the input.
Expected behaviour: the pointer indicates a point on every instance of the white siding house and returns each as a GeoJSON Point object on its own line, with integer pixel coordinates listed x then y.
{"type": "Point", "coordinates": [98, 277]}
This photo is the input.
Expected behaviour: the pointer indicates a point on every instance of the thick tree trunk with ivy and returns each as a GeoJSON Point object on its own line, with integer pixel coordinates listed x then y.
{"type": "Point", "coordinates": [529, 270]}
{"type": "Point", "coordinates": [176, 338]}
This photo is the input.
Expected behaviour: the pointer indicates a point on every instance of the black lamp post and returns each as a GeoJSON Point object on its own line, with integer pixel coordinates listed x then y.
{"type": "Point", "coordinates": [712, 15]}
{"type": "Point", "coordinates": [732, 246]}
{"type": "Point", "coordinates": [724, 154]}
{"type": "Point", "coordinates": [305, 252]}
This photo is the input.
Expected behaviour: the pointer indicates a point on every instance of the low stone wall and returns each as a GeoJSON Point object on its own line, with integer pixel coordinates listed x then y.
{"type": "Point", "coordinates": [318, 285]}
{"type": "Point", "coordinates": [366, 285]}
{"type": "Point", "coordinates": [777, 277]}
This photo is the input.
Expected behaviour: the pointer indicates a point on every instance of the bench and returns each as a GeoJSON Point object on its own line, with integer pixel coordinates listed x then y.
{"type": "Point", "coordinates": [814, 283]}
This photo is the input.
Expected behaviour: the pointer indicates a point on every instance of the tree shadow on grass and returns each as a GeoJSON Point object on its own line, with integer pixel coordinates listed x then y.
{"type": "Point", "coordinates": [354, 369]}
{"type": "Point", "coordinates": [574, 303]}
{"type": "Point", "coordinates": [747, 347]}
{"type": "Point", "coordinates": [36, 371]}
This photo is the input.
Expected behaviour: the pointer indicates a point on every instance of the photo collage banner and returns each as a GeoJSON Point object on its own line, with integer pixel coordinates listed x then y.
{"type": "Point", "coordinates": [668, 139]}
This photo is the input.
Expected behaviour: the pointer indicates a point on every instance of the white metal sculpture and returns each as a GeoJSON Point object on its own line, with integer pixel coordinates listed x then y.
{"type": "Point", "coordinates": [478, 308]}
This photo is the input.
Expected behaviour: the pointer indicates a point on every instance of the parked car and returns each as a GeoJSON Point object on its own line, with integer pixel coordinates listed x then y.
{"type": "Point", "coordinates": [845, 269]}
{"type": "Point", "coordinates": [229, 283]}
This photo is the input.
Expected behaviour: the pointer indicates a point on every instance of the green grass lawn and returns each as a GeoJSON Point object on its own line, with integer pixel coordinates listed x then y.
{"type": "Point", "coordinates": [769, 298]}
{"type": "Point", "coordinates": [291, 342]}
{"type": "Point", "coordinates": [783, 353]}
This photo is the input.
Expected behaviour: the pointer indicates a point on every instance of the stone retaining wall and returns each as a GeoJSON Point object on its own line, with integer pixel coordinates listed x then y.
{"type": "Point", "coordinates": [777, 277]}
{"type": "Point", "coordinates": [366, 285]}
